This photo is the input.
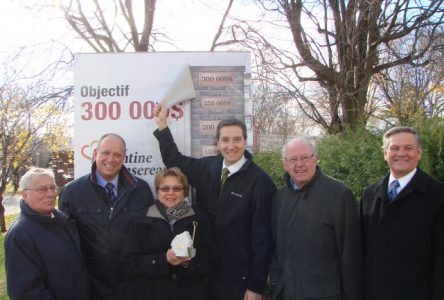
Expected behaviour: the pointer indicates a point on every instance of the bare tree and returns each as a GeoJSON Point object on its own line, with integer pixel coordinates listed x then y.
{"type": "Point", "coordinates": [112, 25]}
{"type": "Point", "coordinates": [339, 46]}
{"type": "Point", "coordinates": [30, 108]}
{"type": "Point", "coordinates": [221, 26]}
{"type": "Point", "coordinates": [412, 92]}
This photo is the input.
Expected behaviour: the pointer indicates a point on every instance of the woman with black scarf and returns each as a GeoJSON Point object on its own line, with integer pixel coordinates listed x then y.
{"type": "Point", "coordinates": [153, 271]}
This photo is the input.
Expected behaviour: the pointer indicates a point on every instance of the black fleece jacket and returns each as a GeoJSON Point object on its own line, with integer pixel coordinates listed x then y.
{"type": "Point", "coordinates": [241, 213]}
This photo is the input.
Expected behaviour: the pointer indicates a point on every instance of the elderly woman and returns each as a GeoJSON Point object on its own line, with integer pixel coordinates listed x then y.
{"type": "Point", "coordinates": [153, 271]}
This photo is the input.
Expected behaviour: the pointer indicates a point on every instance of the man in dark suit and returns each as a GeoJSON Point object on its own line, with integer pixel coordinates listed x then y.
{"type": "Point", "coordinates": [403, 226]}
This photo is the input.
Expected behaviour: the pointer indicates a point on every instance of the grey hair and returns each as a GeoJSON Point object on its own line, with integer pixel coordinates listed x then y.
{"type": "Point", "coordinates": [299, 139]}
{"type": "Point", "coordinates": [34, 172]}
{"type": "Point", "coordinates": [400, 129]}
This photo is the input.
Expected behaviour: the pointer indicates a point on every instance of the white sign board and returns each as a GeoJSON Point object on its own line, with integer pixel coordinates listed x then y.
{"type": "Point", "coordinates": [117, 92]}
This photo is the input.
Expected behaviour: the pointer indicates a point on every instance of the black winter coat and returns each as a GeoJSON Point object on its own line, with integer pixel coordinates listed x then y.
{"type": "Point", "coordinates": [43, 258]}
{"type": "Point", "coordinates": [102, 229]}
{"type": "Point", "coordinates": [241, 215]}
{"type": "Point", "coordinates": [318, 252]}
{"type": "Point", "coordinates": [148, 274]}
{"type": "Point", "coordinates": [404, 240]}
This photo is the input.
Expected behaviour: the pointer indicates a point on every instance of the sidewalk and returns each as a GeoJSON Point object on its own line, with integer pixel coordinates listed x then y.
{"type": "Point", "coordinates": [11, 204]}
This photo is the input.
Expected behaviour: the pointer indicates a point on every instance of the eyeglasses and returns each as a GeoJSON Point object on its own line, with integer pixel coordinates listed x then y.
{"type": "Point", "coordinates": [167, 188]}
{"type": "Point", "coordinates": [44, 189]}
{"type": "Point", "coordinates": [303, 159]}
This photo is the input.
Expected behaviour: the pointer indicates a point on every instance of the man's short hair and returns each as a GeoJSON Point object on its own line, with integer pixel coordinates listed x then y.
{"type": "Point", "coordinates": [232, 122]}
{"type": "Point", "coordinates": [33, 172]}
{"type": "Point", "coordinates": [400, 129]}
{"type": "Point", "coordinates": [112, 135]}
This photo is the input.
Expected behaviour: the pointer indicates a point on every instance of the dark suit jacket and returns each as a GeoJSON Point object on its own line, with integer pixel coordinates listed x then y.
{"type": "Point", "coordinates": [404, 241]}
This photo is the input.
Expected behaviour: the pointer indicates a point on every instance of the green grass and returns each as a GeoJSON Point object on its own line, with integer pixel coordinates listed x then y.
{"type": "Point", "coordinates": [3, 295]}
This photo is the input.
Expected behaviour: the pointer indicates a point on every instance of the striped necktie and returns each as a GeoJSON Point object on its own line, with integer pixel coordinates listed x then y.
{"type": "Point", "coordinates": [393, 190]}
{"type": "Point", "coordinates": [110, 193]}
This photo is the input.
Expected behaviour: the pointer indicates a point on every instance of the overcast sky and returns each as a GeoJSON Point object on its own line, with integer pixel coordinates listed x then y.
{"type": "Point", "coordinates": [191, 24]}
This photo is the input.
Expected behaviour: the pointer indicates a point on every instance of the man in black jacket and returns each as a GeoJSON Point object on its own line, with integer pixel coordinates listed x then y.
{"type": "Point", "coordinates": [315, 223]}
{"type": "Point", "coordinates": [43, 256]}
{"type": "Point", "coordinates": [103, 203]}
{"type": "Point", "coordinates": [239, 207]}
{"type": "Point", "coordinates": [403, 226]}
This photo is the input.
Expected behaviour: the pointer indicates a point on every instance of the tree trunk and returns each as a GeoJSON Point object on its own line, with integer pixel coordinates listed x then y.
{"type": "Point", "coordinates": [2, 215]}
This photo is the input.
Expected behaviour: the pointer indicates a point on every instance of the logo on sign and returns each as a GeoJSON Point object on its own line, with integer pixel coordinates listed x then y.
{"type": "Point", "coordinates": [87, 151]}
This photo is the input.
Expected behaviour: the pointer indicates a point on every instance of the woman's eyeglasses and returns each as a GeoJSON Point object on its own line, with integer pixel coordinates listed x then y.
{"type": "Point", "coordinates": [167, 188]}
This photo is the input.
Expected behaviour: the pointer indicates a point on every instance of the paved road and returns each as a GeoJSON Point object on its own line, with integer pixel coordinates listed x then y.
{"type": "Point", "coordinates": [11, 204]}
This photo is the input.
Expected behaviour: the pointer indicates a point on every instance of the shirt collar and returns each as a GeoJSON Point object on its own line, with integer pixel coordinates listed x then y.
{"type": "Point", "coordinates": [293, 185]}
{"type": "Point", "coordinates": [403, 181]}
{"type": "Point", "coordinates": [236, 166]}
{"type": "Point", "coordinates": [102, 182]}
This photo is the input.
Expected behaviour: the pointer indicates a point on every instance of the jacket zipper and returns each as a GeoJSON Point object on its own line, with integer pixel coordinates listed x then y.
{"type": "Point", "coordinates": [111, 209]}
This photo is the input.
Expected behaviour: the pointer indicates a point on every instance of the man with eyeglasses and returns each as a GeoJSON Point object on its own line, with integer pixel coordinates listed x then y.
{"type": "Point", "coordinates": [316, 232]}
{"type": "Point", "coordinates": [402, 219]}
{"type": "Point", "coordinates": [238, 204]}
{"type": "Point", "coordinates": [103, 203]}
{"type": "Point", "coordinates": [42, 247]}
